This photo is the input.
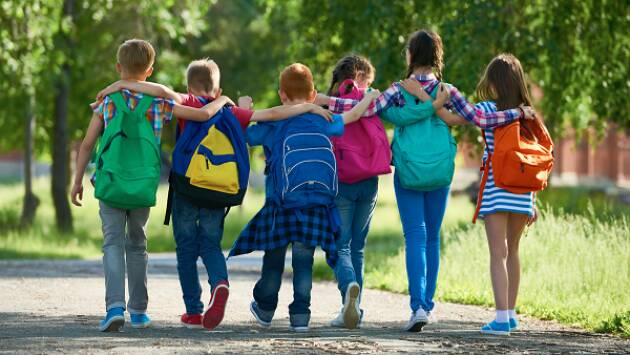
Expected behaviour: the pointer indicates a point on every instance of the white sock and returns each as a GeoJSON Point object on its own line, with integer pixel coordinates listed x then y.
{"type": "Point", "coordinates": [512, 313]}
{"type": "Point", "coordinates": [503, 316]}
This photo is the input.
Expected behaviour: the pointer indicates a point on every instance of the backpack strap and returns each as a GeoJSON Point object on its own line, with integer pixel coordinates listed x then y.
{"type": "Point", "coordinates": [144, 104]}
{"type": "Point", "coordinates": [169, 200]}
{"type": "Point", "coordinates": [119, 102]}
{"type": "Point", "coordinates": [484, 179]}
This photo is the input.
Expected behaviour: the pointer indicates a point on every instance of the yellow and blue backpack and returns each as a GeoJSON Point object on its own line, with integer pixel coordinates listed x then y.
{"type": "Point", "coordinates": [210, 164]}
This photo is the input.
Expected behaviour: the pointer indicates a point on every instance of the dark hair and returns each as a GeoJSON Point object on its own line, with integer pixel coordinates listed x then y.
{"type": "Point", "coordinates": [349, 67]}
{"type": "Point", "coordinates": [425, 50]}
{"type": "Point", "coordinates": [504, 82]}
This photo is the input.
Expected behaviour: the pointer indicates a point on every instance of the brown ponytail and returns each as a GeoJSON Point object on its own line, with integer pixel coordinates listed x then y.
{"type": "Point", "coordinates": [425, 50]}
{"type": "Point", "coordinates": [349, 67]}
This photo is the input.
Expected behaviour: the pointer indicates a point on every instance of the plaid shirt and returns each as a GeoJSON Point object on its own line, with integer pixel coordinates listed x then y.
{"type": "Point", "coordinates": [273, 227]}
{"type": "Point", "coordinates": [458, 103]}
{"type": "Point", "coordinates": [159, 113]}
{"type": "Point", "coordinates": [391, 96]}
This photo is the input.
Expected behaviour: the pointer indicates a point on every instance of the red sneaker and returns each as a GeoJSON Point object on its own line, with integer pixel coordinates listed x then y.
{"type": "Point", "coordinates": [191, 321]}
{"type": "Point", "coordinates": [216, 309]}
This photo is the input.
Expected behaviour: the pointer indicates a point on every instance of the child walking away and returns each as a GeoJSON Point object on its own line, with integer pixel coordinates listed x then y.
{"type": "Point", "coordinates": [507, 202]}
{"type": "Point", "coordinates": [362, 153]}
{"type": "Point", "coordinates": [301, 185]}
{"type": "Point", "coordinates": [126, 179]}
{"type": "Point", "coordinates": [209, 174]}
{"type": "Point", "coordinates": [423, 154]}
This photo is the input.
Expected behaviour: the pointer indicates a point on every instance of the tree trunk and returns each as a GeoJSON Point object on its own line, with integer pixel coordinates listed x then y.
{"type": "Point", "coordinates": [29, 206]}
{"type": "Point", "coordinates": [60, 148]}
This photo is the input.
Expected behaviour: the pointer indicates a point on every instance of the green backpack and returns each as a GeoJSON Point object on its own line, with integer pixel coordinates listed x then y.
{"type": "Point", "coordinates": [128, 160]}
{"type": "Point", "coordinates": [424, 152]}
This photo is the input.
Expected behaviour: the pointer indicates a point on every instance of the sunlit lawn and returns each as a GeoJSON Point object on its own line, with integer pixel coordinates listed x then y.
{"type": "Point", "coordinates": [576, 267]}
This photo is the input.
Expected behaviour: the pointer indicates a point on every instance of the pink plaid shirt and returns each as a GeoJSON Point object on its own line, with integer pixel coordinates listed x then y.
{"type": "Point", "coordinates": [458, 104]}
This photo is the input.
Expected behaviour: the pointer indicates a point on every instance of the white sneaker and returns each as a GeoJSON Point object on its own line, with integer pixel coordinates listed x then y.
{"type": "Point", "coordinates": [351, 312]}
{"type": "Point", "coordinates": [338, 321]}
{"type": "Point", "coordinates": [431, 317]}
{"type": "Point", "coordinates": [417, 321]}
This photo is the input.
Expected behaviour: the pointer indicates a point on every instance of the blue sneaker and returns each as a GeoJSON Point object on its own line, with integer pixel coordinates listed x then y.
{"type": "Point", "coordinates": [262, 317]}
{"type": "Point", "coordinates": [496, 328]}
{"type": "Point", "coordinates": [113, 321]}
{"type": "Point", "coordinates": [513, 324]}
{"type": "Point", "coordinates": [140, 320]}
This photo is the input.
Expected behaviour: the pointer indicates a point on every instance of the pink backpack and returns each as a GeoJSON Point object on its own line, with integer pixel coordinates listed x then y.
{"type": "Point", "coordinates": [363, 150]}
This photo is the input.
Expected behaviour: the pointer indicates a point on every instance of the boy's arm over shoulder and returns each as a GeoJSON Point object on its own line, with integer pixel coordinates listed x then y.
{"type": "Point", "coordinates": [146, 87]}
{"type": "Point", "coordinates": [201, 114]}
{"type": "Point", "coordinates": [285, 111]}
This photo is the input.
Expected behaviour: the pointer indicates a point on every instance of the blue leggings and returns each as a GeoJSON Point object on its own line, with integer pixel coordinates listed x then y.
{"type": "Point", "coordinates": [421, 214]}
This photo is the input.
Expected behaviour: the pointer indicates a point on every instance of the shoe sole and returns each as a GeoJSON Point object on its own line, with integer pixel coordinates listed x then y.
{"type": "Point", "coordinates": [495, 332]}
{"type": "Point", "coordinates": [261, 322]}
{"type": "Point", "coordinates": [417, 327]}
{"type": "Point", "coordinates": [192, 326]}
{"type": "Point", "coordinates": [216, 310]}
{"type": "Point", "coordinates": [140, 325]}
{"type": "Point", "coordinates": [114, 324]}
{"type": "Point", "coordinates": [350, 315]}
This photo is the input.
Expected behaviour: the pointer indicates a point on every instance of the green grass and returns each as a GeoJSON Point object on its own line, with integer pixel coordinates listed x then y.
{"type": "Point", "coordinates": [575, 259]}
{"type": "Point", "coordinates": [44, 241]}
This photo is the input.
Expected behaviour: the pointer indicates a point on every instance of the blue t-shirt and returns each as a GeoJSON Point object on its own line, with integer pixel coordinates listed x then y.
{"type": "Point", "coordinates": [263, 134]}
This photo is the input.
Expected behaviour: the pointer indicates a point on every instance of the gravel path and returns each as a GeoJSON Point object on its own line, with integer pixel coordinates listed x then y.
{"type": "Point", "coordinates": [54, 307]}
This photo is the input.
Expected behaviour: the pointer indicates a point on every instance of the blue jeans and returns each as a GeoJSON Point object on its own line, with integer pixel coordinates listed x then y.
{"type": "Point", "coordinates": [356, 204]}
{"type": "Point", "coordinates": [267, 288]}
{"type": "Point", "coordinates": [198, 233]}
{"type": "Point", "coordinates": [421, 213]}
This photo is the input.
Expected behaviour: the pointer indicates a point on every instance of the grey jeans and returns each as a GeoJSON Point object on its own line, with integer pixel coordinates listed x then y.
{"type": "Point", "coordinates": [125, 248]}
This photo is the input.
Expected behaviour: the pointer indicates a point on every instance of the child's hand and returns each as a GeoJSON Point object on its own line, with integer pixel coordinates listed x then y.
{"type": "Point", "coordinates": [414, 87]}
{"type": "Point", "coordinates": [112, 88]}
{"type": "Point", "coordinates": [226, 100]}
{"type": "Point", "coordinates": [245, 102]}
{"type": "Point", "coordinates": [318, 110]}
{"type": "Point", "coordinates": [373, 94]}
{"type": "Point", "coordinates": [322, 100]}
{"type": "Point", "coordinates": [528, 112]}
{"type": "Point", "coordinates": [77, 194]}
{"type": "Point", "coordinates": [443, 95]}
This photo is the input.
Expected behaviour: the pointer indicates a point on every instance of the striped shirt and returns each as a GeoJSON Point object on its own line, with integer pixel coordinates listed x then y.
{"type": "Point", "coordinates": [496, 199]}
{"type": "Point", "coordinates": [159, 113]}
{"type": "Point", "coordinates": [458, 104]}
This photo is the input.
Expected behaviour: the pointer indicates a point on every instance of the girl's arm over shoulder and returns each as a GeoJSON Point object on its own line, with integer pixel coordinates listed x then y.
{"type": "Point", "coordinates": [485, 119]}
{"type": "Point", "coordinates": [359, 110]}
{"type": "Point", "coordinates": [147, 87]}
{"type": "Point", "coordinates": [339, 105]}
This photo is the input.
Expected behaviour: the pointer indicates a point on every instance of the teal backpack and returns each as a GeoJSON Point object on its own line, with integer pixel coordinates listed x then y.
{"type": "Point", "coordinates": [424, 152]}
{"type": "Point", "coordinates": [128, 159]}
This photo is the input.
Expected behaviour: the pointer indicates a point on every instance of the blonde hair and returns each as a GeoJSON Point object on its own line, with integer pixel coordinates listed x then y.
{"type": "Point", "coordinates": [136, 56]}
{"type": "Point", "coordinates": [203, 75]}
{"type": "Point", "coordinates": [296, 81]}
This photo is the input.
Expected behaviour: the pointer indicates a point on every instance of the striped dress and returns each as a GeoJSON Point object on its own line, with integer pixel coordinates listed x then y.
{"type": "Point", "coordinates": [495, 199]}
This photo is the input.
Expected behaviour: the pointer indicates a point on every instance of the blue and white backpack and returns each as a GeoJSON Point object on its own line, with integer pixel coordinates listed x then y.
{"type": "Point", "coordinates": [302, 163]}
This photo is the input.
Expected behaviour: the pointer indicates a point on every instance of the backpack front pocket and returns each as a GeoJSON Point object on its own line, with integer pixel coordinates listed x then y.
{"type": "Point", "coordinates": [213, 166]}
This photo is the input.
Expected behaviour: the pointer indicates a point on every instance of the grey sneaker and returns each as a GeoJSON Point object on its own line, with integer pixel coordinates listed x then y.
{"type": "Point", "coordinates": [262, 317]}
{"type": "Point", "coordinates": [351, 312]}
{"type": "Point", "coordinates": [299, 322]}
{"type": "Point", "coordinates": [417, 321]}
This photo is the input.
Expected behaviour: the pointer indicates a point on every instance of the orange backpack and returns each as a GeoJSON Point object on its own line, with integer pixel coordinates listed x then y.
{"type": "Point", "coordinates": [522, 158]}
